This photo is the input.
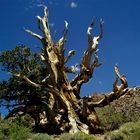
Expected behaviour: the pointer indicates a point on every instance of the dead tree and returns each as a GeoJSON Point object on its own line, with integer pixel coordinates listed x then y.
{"type": "Point", "coordinates": [63, 109]}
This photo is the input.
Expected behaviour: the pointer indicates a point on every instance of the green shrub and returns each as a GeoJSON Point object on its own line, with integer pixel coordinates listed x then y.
{"type": "Point", "coordinates": [129, 131]}
{"type": "Point", "coordinates": [77, 136]}
{"type": "Point", "coordinates": [66, 136]}
{"type": "Point", "coordinates": [13, 130]}
{"type": "Point", "coordinates": [40, 136]}
{"type": "Point", "coordinates": [135, 135]}
{"type": "Point", "coordinates": [83, 136]}
{"type": "Point", "coordinates": [110, 119]}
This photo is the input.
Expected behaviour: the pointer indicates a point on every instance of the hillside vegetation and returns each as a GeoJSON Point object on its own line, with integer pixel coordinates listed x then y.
{"type": "Point", "coordinates": [119, 121]}
{"type": "Point", "coordinates": [125, 109]}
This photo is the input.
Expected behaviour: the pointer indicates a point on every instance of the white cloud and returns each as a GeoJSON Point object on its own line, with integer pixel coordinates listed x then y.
{"type": "Point", "coordinates": [35, 3]}
{"type": "Point", "coordinates": [51, 25]}
{"type": "Point", "coordinates": [40, 5]}
{"type": "Point", "coordinates": [73, 5]}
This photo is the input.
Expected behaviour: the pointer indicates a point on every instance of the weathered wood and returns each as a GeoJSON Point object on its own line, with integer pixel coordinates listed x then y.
{"type": "Point", "coordinates": [62, 109]}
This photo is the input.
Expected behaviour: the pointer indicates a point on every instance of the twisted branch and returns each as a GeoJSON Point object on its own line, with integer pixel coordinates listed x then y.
{"type": "Point", "coordinates": [87, 67]}
{"type": "Point", "coordinates": [117, 92]}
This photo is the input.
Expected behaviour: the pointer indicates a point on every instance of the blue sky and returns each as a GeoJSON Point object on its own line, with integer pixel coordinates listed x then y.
{"type": "Point", "coordinates": [120, 43]}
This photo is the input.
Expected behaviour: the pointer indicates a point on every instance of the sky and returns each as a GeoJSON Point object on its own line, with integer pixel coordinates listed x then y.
{"type": "Point", "coordinates": [120, 44]}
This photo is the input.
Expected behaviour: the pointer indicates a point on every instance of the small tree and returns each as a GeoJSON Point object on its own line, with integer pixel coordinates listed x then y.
{"type": "Point", "coordinates": [39, 85]}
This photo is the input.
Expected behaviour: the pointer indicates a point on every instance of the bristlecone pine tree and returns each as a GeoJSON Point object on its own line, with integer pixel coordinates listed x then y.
{"type": "Point", "coordinates": [39, 85]}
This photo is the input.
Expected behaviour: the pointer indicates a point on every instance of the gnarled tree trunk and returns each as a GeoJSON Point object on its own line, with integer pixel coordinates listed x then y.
{"type": "Point", "coordinates": [62, 109]}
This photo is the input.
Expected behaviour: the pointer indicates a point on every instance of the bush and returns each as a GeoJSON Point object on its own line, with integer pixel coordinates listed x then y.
{"type": "Point", "coordinates": [83, 136]}
{"type": "Point", "coordinates": [40, 136]}
{"type": "Point", "coordinates": [77, 136]}
{"type": "Point", "coordinates": [13, 130]}
{"type": "Point", "coordinates": [129, 131]}
{"type": "Point", "coordinates": [66, 136]}
{"type": "Point", "coordinates": [135, 135]}
{"type": "Point", "coordinates": [110, 119]}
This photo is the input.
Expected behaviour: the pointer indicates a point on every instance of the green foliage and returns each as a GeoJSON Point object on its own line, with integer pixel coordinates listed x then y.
{"type": "Point", "coordinates": [15, 91]}
{"type": "Point", "coordinates": [13, 130]}
{"type": "Point", "coordinates": [19, 59]}
{"type": "Point", "coordinates": [66, 136]}
{"type": "Point", "coordinates": [77, 136]}
{"type": "Point", "coordinates": [110, 118]}
{"type": "Point", "coordinates": [82, 136]}
{"type": "Point", "coordinates": [135, 135]}
{"type": "Point", "coordinates": [40, 136]}
{"type": "Point", "coordinates": [129, 131]}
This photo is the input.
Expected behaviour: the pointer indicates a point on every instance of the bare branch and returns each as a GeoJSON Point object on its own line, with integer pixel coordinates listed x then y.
{"type": "Point", "coordinates": [106, 99]}
{"type": "Point", "coordinates": [46, 24]}
{"type": "Point", "coordinates": [45, 13]}
{"type": "Point", "coordinates": [101, 28]}
{"type": "Point", "coordinates": [59, 45]}
{"type": "Point", "coordinates": [73, 69]}
{"type": "Point", "coordinates": [46, 78]}
{"type": "Point", "coordinates": [65, 30]}
{"type": "Point", "coordinates": [70, 54]}
{"type": "Point", "coordinates": [68, 70]}
{"type": "Point", "coordinates": [61, 42]}
{"type": "Point", "coordinates": [90, 41]}
{"type": "Point", "coordinates": [31, 82]}
{"type": "Point", "coordinates": [27, 80]}
{"type": "Point", "coordinates": [34, 34]}
{"type": "Point", "coordinates": [39, 23]}
{"type": "Point", "coordinates": [46, 31]}
{"type": "Point", "coordinates": [96, 39]}
{"type": "Point", "coordinates": [122, 78]}
{"type": "Point", "coordinates": [42, 57]}
{"type": "Point", "coordinates": [39, 18]}
{"type": "Point", "coordinates": [117, 71]}
{"type": "Point", "coordinates": [88, 53]}
{"type": "Point", "coordinates": [95, 63]}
